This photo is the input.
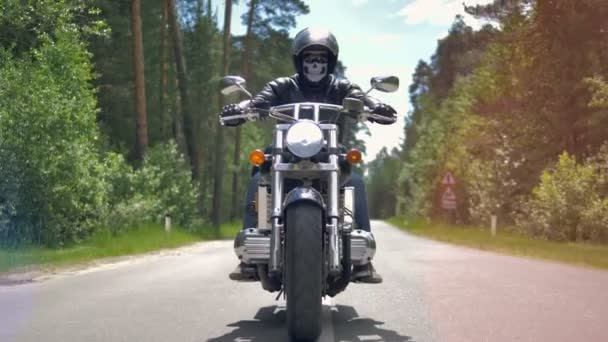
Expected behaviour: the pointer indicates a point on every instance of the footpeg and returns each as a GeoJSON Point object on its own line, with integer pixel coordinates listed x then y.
{"type": "Point", "coordinates": [366, 274]}
{"type": "Point", "coordinates": [244, 273]}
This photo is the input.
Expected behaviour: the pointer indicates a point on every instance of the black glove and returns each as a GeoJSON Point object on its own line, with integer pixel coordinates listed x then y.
{"type": "Point", "coordinates": [384, 110]}
{"type": "Point", "coordinates": [231, 110]}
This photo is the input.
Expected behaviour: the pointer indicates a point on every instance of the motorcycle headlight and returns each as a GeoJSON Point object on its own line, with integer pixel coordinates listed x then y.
{"type": "Point", "coordinates": [304, 139]}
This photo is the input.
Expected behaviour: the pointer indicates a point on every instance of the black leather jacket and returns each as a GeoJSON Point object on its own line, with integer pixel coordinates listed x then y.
{"type": "Point", "coordinates": [285, 90]}
{"type": "Point", "coordinates": [292, 89]}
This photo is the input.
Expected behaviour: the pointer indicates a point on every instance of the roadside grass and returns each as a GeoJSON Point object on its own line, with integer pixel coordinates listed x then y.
{"type": "Point", "coordinates": [507, 241]}
{"type": "Point", "coordinates": [102, 244]}
{"type": "Point", "coordinates": [227, 231]}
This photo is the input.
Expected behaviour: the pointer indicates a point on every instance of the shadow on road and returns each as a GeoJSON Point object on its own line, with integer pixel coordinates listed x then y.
{"type": "Point", "coordinates": [348, 326]}
{"type": "Point", "coordinates": [269, 325]}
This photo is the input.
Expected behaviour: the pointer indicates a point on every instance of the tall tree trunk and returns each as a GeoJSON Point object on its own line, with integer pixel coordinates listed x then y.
{"type": "Point", "coordinates": [248, 37]}
{"type": "Point", "coordinates": [207, 177]}
{"type": "Point", "coordinates": [164, 69]}
{"type": "Point", "coordinates": [141, 119]}
{"type": "Point", "coordinates": [219, 140]}
{"type": "Point", "coordinates": [189, 123]}
{"type": "Point", "coordinates": [176, 110]}
{"type": "Point", "coordinates": [200, 112]}
{"type": "Point", "coordinates": [174, 104]}
{"type": "Point", "coordinates": [236, 195]}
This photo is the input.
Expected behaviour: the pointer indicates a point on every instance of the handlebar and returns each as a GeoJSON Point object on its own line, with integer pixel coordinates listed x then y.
{"type": "Point", "coordinates": [252, 114]}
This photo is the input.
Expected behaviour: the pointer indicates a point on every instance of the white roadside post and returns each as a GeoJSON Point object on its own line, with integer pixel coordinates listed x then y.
{"type": "Point", "coordinates": [493, 225]}
{"type": "Point", "coordinates": [167, 223]}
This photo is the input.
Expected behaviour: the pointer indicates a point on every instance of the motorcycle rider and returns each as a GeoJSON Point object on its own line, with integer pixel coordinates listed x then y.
{"type": "Point", "coordinates": [315, 55]}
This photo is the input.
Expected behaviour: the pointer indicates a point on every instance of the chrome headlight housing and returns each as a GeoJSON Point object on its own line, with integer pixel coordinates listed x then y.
{"type": "Point", "coordinates": [304, 139]}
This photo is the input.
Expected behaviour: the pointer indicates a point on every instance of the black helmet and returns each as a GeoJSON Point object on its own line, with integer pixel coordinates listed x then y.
{"type": "Point", "coordinates": [315, 37]}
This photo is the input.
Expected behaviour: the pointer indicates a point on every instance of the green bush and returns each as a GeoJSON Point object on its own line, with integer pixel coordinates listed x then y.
{"type": "Point", "coordinates": [56, 188]}
{"type": "Point", "coordinates": [567, 204]}
{"type": "Point", "coordinates": [10, 185]}
{"type": "Point", "coordinates": [594, 222]}
{"type": "Point", "coordinates": [599, 161]}
{"type": "Point", "coordinates": [167, 176]}
{"type": "Point", "coordinates": [133, 212]}
{"type": "Point", "coordinates": [483, 199]}
{"type": "Point", "coordinates": [162, 186]}
{"type": "Point", "coordinates": [51, 191]}
{"type": "Point", "coordinates": [595, 218]}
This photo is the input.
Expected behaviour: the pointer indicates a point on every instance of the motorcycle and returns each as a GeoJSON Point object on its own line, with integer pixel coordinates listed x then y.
{"type": "Point", "coordinates": [305, 243]}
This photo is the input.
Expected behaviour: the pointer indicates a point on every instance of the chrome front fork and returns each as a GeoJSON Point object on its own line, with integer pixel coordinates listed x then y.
{"type": "Point", "coordinates": [333, 192]}
{"type": "Point", "coordinates": [277, 199]}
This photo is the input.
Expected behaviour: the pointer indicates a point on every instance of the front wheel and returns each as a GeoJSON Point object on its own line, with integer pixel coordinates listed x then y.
{"type": "Point", "coordinates": [304, 272]}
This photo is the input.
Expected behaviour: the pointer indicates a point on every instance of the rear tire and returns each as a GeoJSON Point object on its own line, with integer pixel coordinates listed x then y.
{"type": "Point", "coordinates": [304, 270]}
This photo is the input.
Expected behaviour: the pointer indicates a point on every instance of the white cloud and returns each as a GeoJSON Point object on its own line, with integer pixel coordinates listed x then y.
{"type": "Point", "coordinates": [359, 3]}
{"type": "Point", "coordinates": [436, 12]}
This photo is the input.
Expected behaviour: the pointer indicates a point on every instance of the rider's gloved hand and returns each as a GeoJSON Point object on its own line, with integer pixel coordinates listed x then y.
{"type": "Point", "coordinates": [231, 110]}
{"type": "Point", "coordinates": [386, 111]}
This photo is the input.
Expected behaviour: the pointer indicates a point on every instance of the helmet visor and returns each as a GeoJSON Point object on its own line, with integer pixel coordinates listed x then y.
{"type": "Point", "coordinates": [310, 59]}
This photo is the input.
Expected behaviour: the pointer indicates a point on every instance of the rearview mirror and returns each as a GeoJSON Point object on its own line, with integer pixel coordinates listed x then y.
{"type": "Point", "coordinates": [233, 84]}
{"type": "Point", "coordinates": [387, 84]}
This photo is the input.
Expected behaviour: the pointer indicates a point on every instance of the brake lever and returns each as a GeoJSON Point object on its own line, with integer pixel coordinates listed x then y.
{"type": "Point", "coordinates": [366, 115]}
{"type": "Point", "coordinates": [381, 118]}
{"type": "Point", "coordinates": [278, 115]}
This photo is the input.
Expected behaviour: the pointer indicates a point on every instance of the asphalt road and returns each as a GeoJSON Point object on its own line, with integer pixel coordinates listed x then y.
{"type": "Point", "coordinates": [432, 292]}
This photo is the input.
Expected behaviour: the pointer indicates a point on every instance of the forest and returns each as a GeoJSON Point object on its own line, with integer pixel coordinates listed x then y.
{"type": "Point", "coordinates": [108, 117]}
{"type": "Point", "coordinates": [517, 111]}
{"type": "Point", "coordinates": [108, 113]}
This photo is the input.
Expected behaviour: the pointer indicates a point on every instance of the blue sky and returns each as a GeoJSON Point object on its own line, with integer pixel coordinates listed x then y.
{"type": "Point", "coordinates": [379, 37]}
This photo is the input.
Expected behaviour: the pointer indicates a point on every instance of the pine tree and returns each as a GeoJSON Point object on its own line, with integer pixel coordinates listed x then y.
{"type": "Point", "coordinates": [139, 81]}
{"type": "Point", "coordinates": [219, 141]}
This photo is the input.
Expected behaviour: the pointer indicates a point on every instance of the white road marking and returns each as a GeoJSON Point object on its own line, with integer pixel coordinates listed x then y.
{"type": "Point", "coordinates": [327, 332]}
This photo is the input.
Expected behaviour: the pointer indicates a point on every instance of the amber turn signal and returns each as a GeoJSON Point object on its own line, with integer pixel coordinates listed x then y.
{"type": "Point", "coordinates": [257, 157]}
{"type": "Point", "coordinates": [353, 157]}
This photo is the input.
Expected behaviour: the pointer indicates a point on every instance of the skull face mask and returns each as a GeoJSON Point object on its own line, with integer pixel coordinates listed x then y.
{"type": "Point", "coordinates": [315, 65]}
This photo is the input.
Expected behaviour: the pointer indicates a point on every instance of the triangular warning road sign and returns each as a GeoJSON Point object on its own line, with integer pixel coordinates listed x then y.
{"type": "Point", "coordinates": [448, 195]}
{"type": "Point", "coordinates": [448, 179]}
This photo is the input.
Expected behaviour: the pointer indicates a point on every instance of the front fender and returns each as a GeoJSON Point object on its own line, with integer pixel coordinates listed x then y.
{"type": "Point", "coordinates": [304, 194]}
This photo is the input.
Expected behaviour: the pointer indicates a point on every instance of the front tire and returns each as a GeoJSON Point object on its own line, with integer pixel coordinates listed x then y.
{"type": "Point", "coordinates": [304, 272]}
